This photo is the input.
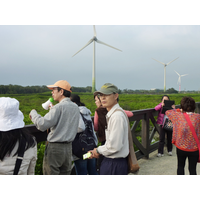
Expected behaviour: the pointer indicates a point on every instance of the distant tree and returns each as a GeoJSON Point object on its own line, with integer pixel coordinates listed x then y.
{"type": "Point", "coordinates": [88, 89]}
{"type": "Point", "coordinates": [125, 91]}
{"type": "Point", "coordinates": [171, 91]}
{"type": "Point", "coordinates": [119, 91]}
{"type": "Point", "coordinates": [82, 89]}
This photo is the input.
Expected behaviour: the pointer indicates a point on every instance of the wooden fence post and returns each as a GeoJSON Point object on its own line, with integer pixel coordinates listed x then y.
{"type": "Point", "coordinates": [198, 108]}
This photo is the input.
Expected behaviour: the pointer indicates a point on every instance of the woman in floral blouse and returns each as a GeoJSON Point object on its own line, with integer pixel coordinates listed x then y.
{"type": "Point", "coordinates": [182, 135]}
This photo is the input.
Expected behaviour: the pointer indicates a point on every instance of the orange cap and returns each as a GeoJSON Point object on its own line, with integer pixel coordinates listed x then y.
{"type": "Point", "coordinates": [62, 84]}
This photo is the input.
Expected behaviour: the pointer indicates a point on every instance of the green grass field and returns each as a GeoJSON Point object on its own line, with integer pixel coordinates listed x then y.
{"type": "Point", "coordinates": [127, 101]}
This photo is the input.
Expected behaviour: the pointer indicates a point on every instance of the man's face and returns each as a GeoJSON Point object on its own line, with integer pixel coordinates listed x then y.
{"type": "Point", "coordinates": [56, 94]}
{"type": "Point", "coordinates": [108, 101]}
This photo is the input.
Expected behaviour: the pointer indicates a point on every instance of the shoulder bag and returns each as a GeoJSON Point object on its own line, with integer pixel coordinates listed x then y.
{"type": "Point", "coordinates": [132, 160]}
{"type": "Point", "coordinates": [84, 141]}
{"type": "Point", "coordinates": [193, 132]}
{"type": "Point", "coordinates": [168, 126]}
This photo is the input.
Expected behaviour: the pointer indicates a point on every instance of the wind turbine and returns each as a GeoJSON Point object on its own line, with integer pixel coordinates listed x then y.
{"type": "Point", "coordinates": [165, 70]}
{"type": "Point", "coordinates": [179, 80]}
{"type": "Point", "coordinates": [94, 39]}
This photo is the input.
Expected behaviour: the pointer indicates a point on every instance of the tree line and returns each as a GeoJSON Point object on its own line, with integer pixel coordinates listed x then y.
{"type": "Point", "coordinates": [17, 89]}
{"type": "Point", "coordinates": [155, 91]}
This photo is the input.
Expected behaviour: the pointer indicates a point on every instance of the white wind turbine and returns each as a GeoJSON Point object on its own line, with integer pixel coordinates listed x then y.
{"type": "Point", "coordinates": [165, 70]}
{"type": "Point", "coordinates": [94, 39]}
{"type": "Point", "coordinates": [179, 80]}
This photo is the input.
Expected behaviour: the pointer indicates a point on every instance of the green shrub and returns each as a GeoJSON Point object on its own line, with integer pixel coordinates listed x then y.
{"type": "Point", "coordinates": [40, 155]}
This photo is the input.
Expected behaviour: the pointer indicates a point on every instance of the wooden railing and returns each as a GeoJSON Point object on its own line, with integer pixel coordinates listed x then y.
{"type": "Point", "coordinates": [148, 130]}
{"type": "Point", "coordinates": [144, 118]}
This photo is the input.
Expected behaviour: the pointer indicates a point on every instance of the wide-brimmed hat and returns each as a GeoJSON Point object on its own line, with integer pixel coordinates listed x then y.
{"type": "Point", "coordinates": [107, 88]}
{"type": "Point", "coordinates": [10, 116]}
{"type": "Point", "coordinates": [62, 84]}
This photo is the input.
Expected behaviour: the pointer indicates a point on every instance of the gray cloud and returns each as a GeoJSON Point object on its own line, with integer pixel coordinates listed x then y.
{"type": "Point", "coordinates": [41, 55]}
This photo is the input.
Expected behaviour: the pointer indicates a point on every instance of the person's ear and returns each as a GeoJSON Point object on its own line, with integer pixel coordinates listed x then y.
{"type": "Point", "coordinates": [61, 91]}
{"type": "Point", "coordinates": [116, 96]}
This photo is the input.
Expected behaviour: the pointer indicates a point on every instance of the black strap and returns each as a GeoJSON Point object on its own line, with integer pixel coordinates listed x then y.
{"type": "Point", "coordinates": [22, 145]}
{"type": "Point", "coordinates": [84, 120]}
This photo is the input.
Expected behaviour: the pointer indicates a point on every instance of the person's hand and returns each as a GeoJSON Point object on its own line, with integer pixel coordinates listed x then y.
{"type": "Point", "coordinates": [30, 115]}
{"type": "Point", "coordinates": [173, 106]}
{"type": "Point", "coordinates": [94, 154]}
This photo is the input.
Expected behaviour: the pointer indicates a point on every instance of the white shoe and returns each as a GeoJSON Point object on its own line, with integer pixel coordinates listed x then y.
{"type": "Point", "coordinates": [159, 155]}
{"type": "Point", "coordinates": [170, 153]}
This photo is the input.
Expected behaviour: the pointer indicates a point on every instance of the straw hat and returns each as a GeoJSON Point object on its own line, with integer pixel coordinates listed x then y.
{"type": "Point", "coordinates": [10, 116]}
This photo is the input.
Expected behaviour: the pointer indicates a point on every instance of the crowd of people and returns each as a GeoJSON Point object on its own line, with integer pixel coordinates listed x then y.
{"type": "Point", "coordinates": [69, 119]}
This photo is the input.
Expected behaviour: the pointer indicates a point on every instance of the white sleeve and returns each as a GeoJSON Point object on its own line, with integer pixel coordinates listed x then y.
{"type": "Point", "coordinates": [81, 125]}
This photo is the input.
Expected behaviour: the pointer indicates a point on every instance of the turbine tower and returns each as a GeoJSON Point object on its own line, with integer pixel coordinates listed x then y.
{"type": "Point", "coordinates": [94, 39]}
{"type": "Point", "coordinates": [179, 80]}
{"type": "Point", "coordinates": [165, 70]}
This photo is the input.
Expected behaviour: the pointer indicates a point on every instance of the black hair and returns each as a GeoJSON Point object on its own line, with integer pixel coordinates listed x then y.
{"type": "Point", "coordinates": [165, 96]}
{"type": "Point", "coordinates": [188, 104]}
{"type": "Point", "coordinates": [8, 140]}
{"type": "Point", "coordinates": [66, 93]}
{"type": "Point", "coordinates": [97, 95]}
{"type": "Point", "coordinates": [117, 98]}
{"type": "Point", "coordinates": [76, 99]}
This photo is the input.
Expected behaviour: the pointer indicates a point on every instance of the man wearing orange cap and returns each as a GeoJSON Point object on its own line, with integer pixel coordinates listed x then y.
{"type": "Point", "coordinates": [63, 120]}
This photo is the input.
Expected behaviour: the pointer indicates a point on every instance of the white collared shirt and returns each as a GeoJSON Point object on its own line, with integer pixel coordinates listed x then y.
{"type": "Point", "coordinates": [116, 145]}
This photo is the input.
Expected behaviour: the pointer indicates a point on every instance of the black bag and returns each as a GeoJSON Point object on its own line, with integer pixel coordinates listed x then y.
{"type": "Point", "coordinates": [168, 126]}
{"type": "Point", "coordinates": [84, 141]}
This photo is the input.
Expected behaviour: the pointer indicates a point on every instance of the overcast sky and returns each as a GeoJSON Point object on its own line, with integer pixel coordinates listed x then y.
{"type": "Point", "coordinates": [42, 54]}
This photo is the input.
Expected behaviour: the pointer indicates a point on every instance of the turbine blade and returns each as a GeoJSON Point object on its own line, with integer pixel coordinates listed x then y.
{"type": "Point", "coordinates": [84, 47]}
{"type": "Point", "coordinates": [177, 73]}
{"type": "Point", "coordinates": [184, 75]}
{"type": "Point", "coordinates": [98, 41]}
{"type": "Point", "coordinates": [95, 33]}
{"type": "Point", "coordinates": [172, 61]}
{"type": "Point", "coordinates": [159, 61]}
